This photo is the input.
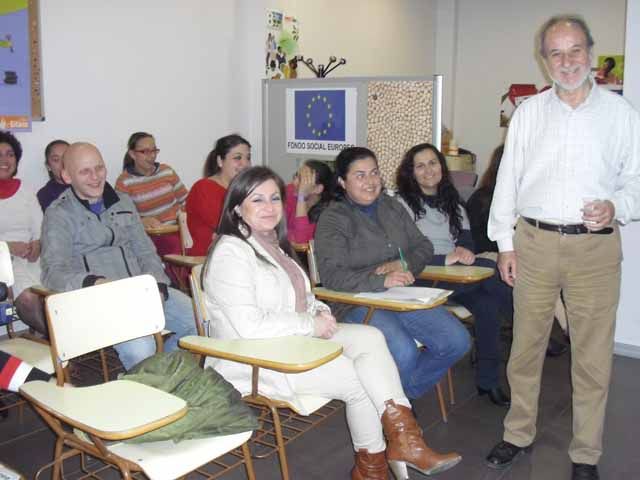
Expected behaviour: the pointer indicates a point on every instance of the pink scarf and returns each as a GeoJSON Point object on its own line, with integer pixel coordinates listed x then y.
{"type": "Point", "coordinates": [269, 241]}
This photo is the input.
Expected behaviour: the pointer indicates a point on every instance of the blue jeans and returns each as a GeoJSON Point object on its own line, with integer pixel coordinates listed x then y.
{"type": "Point", "coordinates": [489, 301]}
{"type": "Point", "coordinates": [445, 339]}
{"type": "Point", "coordinates": [178, 314]}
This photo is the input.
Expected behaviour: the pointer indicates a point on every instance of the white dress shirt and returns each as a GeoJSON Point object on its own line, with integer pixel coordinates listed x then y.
{"type": "Point", "coordinates": [556, 156]}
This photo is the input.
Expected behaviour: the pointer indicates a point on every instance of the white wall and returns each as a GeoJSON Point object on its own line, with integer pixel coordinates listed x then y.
{"type": "Point", "coordinates": [190, 72]}
{"type": "Point", "coordinates": [112, 68]}
{"type": "Point", "coordinates": [246, 73]}
{"type": "Point", "coordinates": [495, 48]}
{"type": "Point", "coordinates": [446, 54]}
{"type": "Point", "coordinates": [628, 328]}
{"type": "Point", "coordinates": [377, 37]}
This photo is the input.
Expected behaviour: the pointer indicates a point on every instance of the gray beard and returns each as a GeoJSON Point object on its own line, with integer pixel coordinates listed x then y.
{"type": "Point", "coordinates": [572, 88]}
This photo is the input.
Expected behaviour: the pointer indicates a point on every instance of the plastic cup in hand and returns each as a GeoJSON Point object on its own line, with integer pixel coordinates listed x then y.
{"type": "Point", "coordinates": [588, 207]}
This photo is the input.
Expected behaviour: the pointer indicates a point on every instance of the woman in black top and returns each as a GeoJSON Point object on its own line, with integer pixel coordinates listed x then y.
{"type": "Point", "coordinates": [479, 204]}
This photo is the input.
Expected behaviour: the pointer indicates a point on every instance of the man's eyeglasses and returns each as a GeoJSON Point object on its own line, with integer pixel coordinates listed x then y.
{"type": "Point", "coordinates": [148, 151]}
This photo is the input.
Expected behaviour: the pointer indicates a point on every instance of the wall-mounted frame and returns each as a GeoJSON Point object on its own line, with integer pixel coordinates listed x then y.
{"type": "Point", "coordinates": [20, 65]}
{"type": "Point", "coordinates": [37, 109]}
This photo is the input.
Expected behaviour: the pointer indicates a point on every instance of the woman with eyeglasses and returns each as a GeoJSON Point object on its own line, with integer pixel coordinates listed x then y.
{"type": "Point", "coordinates": [155, 188]}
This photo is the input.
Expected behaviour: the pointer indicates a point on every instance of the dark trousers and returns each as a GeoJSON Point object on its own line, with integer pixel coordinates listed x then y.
{"type": "Point", "coordinates": [489, 301]}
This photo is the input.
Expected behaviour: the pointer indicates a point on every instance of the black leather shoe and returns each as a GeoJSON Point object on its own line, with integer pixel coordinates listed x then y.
{"type": "Point", "coordinates": [583, 471]}
{"type": "Point", "coordinates": [556, 348]}
{"type": "Point", "coordinates": [503, 455]}
{"type": "Point", "coordinates": [496, 395]}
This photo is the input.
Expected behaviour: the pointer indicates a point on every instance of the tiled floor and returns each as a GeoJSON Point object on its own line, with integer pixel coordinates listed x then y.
{"type": "Point", "coordinates": [474, 426]}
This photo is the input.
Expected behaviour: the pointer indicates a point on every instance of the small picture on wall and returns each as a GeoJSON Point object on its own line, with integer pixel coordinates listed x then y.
{"type": "Point", "coordinates": [515, 95]}
{"type": "Point", "coordinates": [610, 72]}
{"type": "Point", "coordinates": [283, 33]}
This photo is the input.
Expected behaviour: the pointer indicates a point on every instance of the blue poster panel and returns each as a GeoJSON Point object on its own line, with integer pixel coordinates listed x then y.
{"type": "Point", "coordinates": [320, 121]}
{"type": "Point", "coordinates": [15, 69]}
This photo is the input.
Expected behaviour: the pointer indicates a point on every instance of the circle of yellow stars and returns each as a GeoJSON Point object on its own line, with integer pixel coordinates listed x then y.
{"type": "Point", "coordinates": [320, 100]}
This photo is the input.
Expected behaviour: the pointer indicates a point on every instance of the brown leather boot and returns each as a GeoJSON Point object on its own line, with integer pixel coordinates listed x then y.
{"type": "Point", "coordinates": [370, 466]}
{"type": "Point", "coordinates": [406, 447]}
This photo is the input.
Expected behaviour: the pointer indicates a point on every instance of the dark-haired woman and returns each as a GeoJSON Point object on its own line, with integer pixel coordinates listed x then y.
{"type": "Point", "coordinates": [20, 223]}
{"type": "Point", "coordinates": [155, 188]}
{"type": "Point", "coordinates": [479, 204]}
{"type": "Point", "coordinates": [53, 153]}
{"type": "Point", "coordinates": [307, 196]}
{"type": "Point", "coordinates": [230, 156]}
{"type": "Point", "coordinates": [425, 188]}
{"type": "Point", "coordinates": [358, 243]}
{"type": "Point", "coordinates": [254, 289]}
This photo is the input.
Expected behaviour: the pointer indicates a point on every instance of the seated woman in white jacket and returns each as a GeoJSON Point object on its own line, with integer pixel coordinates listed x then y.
{"type": "Point", "coordinates": [254, 289]}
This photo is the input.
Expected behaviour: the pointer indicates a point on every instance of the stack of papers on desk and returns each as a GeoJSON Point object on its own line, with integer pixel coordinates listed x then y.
{"type": "Point", "coordinates": [408, 294]}
{"type": "Point", "coordinates": [7, 474]}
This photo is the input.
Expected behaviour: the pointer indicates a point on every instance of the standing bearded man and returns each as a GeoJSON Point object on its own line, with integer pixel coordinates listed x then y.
{"type": "Point", "coordinates": [571, 168]}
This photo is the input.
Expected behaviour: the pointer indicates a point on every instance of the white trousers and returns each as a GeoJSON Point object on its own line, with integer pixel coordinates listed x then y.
{"type": "Point", "coordinates": [25, 274]}
{"type": "Point", "coordinates": [364, 377]}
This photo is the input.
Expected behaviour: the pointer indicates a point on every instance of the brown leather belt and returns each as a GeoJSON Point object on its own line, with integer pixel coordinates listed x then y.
{"type": "Point", "coordinates": [573, 229]}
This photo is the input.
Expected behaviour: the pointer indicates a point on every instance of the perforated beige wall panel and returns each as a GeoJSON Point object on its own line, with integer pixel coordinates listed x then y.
{"type": "Point", "coordinates": [398, 116]}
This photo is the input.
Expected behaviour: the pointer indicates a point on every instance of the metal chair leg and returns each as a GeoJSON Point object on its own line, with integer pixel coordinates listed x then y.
{"type": "Point", "coordinates": [452, 397]}
{"type": "Point", "coordinates": [57, 459]}
{"type": "Point", "coordinates": [284, 466]}
{"type": "Point", "coordinates": [105, 365]}
{"type": "Point", "coordinates": [443, 407]}
{"type": "Point", "coordinates": [248, 462]}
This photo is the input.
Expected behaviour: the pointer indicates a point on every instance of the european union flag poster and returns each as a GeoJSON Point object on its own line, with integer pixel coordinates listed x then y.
{"type": "Point", "coordinates": [320, 121]}
{"type": "Point", "coordinates": [320, 115]}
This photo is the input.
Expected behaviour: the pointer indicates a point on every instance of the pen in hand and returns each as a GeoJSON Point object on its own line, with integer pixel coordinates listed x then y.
{"type": "Point", "coordinates": [403, 262]}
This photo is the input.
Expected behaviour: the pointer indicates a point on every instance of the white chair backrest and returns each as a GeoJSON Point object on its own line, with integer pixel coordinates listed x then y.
{"type": "Point", "coordinates": [6, 269]}
{"type": "Point", "coordinates": [185, 236]}
{"type": "Point", "coordinates": [314, 275]}
{"type": "Point", "coordinates": [92, 318]}
{"type": "Point", "coordinates": [198, 299]}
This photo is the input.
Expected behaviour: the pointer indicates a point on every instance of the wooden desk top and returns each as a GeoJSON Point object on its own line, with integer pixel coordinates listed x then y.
{"type": "Point", "coordinates": [162, 230]}
{"type": "Point", "coordinates": [41, 290]}
{"type": "Point", "coordinates": [102, 409]}
{"type": "Point", "coordinates": [9, 474]}
{"type": "Point", "coordinates": [456, 273]}
{"type": "Point", "coordinates": [184, 260]}
{"type": "Point", "coordinates": [393, 305]}
{"type": "Point", "coordinates": [290, 354]}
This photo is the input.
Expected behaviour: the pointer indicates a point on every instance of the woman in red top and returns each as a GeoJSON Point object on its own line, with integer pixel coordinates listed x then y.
{"type": "Point", "coordinates": [230, 156]}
